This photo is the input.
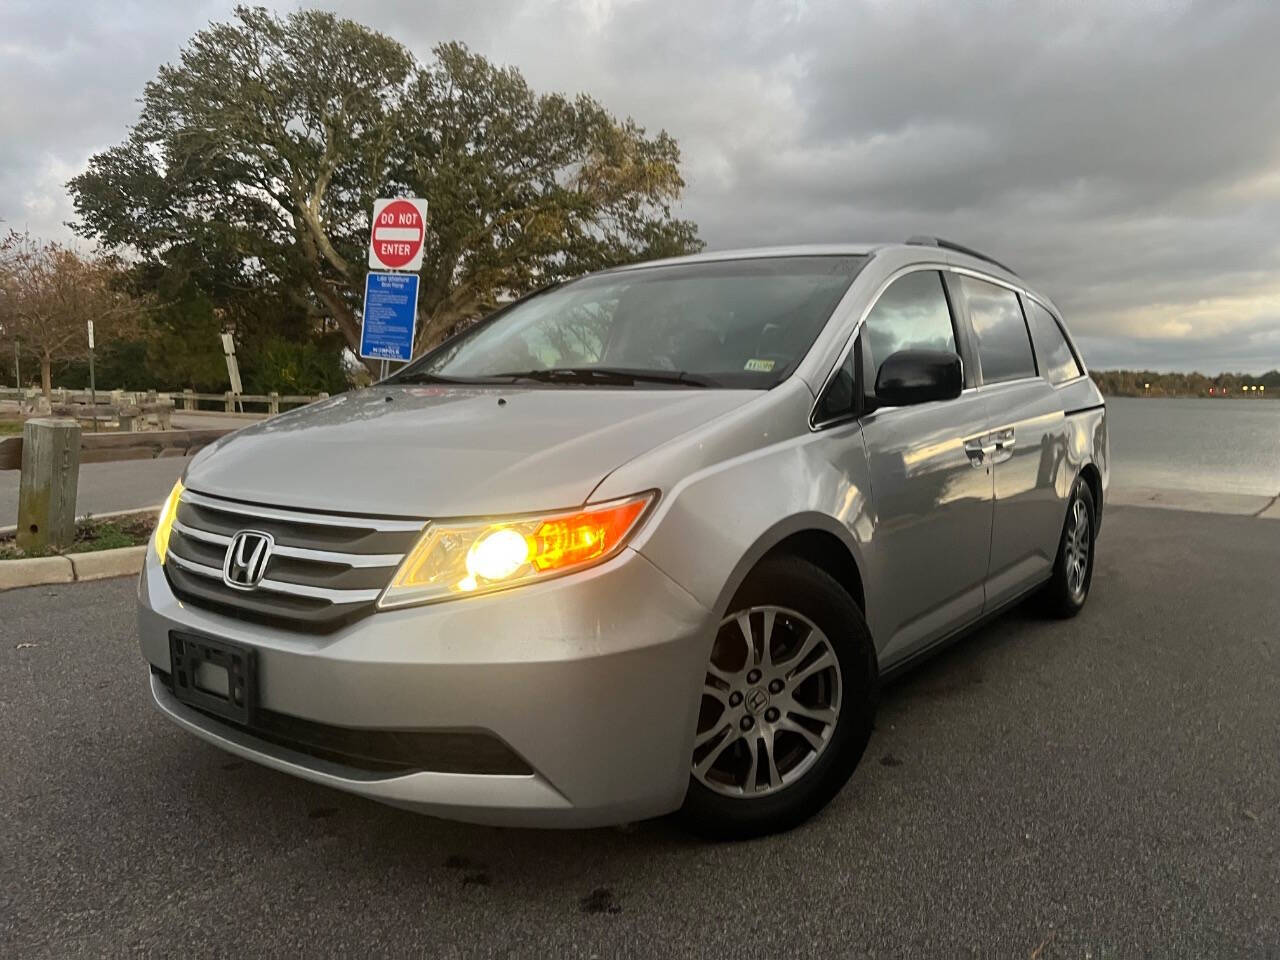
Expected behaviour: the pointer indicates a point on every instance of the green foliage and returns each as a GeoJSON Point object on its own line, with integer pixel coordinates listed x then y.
{"type": "Point", "coordinates": [289, 367]}
{"type": "Point", "coordinates": [254, 164]}
{"type": "Point", "coordinates": [1148, 383]}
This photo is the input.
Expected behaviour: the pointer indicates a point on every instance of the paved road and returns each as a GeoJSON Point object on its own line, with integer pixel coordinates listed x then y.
{"type": "Point", "coordinates": [103, 487]}
{"type": "Point", "coordinates": [1105, 787]}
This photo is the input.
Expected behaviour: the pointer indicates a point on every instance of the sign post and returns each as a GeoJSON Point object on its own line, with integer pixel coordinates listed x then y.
{"type": "Point", "coordinates": [397, 234]}
{"type": "Point", "coordinates": [93, 386]}
{"type": "Point", "coordinates": [233, 368]}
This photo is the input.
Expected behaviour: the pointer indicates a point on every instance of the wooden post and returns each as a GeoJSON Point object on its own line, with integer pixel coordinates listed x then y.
{"type": "Point", "coordinates": [164, 415]}
{"type": "Point", "coordinates": [273, 403]}
{"type": "Point", "coordinates": [127, 421]}
{"type": "Point", "coordinates": [47, 487]}
{"type": "Point", "coordinates": [188, 399]}
{"type": "Point", "coordinates": [229, 400]}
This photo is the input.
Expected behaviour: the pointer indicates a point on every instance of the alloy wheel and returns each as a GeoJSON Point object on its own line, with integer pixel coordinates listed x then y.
{"type": "Point", "coordinates": [1079, 534]}
{"type": "Point", "coordinates": [770, 702]}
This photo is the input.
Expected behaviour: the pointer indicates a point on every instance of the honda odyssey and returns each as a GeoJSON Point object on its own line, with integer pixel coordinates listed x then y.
{"type": "Point", "coordinates": [645, 541]}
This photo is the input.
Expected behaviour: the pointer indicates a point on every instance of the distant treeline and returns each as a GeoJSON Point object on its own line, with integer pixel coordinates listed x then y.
{"type": "Point", "coordinates": [1148, 383]}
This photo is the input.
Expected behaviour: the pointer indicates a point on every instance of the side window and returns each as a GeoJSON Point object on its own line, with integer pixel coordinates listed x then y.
{"type": "Point", "coordinates": [1057, 362]}
{"type": "Point", "coordinates": [912, 314]}
{"type": "Point", "coordinates": [1004, 346]}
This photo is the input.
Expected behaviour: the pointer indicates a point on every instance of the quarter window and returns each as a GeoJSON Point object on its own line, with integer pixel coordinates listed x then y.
{"type": "Point", "coordinates": [837, 400]}
{"type": "Point", "coordinates": [1057, 362]}
{"type": "Point", "coordinates": [1004, 347]}
{"type": "Point", "coordinates": [912, 314]}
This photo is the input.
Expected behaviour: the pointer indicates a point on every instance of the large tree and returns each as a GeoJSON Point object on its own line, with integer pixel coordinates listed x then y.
{"type": "Point", "coordinates": [263, 149]}
{"type": "Point", "coordinates": [49, 293]}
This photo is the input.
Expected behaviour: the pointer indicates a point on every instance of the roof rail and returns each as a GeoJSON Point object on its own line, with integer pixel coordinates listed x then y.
{"type": "Point", "coordinates": [923, 241]}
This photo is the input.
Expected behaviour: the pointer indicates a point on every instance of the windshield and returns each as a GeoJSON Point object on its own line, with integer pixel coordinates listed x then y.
{"type": "Point", "coordinates": [727, 323]}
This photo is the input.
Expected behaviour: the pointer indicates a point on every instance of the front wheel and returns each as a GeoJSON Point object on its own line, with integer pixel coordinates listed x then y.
{"type": "Point", "coordinates": [1068, 589]}
{"type": "Point", "coordinates": [788, 702]}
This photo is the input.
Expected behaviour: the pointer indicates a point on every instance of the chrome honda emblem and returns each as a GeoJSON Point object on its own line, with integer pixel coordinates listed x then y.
{"type": "Point", "coordinates": [246, 559]}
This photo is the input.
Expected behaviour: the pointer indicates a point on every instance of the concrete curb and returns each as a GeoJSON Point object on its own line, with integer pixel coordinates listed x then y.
{"type": "Point", "coordinates": [1199, 501]}
{"type": "Point", "coordinates": [71, 567]}
{"type": "Point", "coordinates": [100, 564]}
{"type": "Point", "coordinates": [33, 572]}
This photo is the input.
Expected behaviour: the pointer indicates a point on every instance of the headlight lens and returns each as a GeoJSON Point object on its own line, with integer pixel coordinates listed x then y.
{"type": "Point", "coordinates": [164, 525]}
{"type": "Point", "coordinates": [456, 559]}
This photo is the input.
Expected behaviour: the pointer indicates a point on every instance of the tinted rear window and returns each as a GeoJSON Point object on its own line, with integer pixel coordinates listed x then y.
{"type": "Point", "coordinates": [1004, 346]}
{"type": "Point", "coordinates": [1057, 362]}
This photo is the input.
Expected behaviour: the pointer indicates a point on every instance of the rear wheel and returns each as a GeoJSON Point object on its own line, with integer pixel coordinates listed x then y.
{"type": "Point", "coordinates": [787, 703]}
{"type": "Point", "coordinates": [1066, 593]}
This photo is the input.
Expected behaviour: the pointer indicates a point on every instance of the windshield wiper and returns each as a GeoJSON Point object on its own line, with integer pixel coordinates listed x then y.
{"type": "Point", "coordinates": [614, 376]}
{"type": "Point", "coordinates": [424, 377]}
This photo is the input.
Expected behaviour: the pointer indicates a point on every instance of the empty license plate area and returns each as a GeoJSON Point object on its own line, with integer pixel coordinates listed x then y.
{"type": "Point", "coordinates": [213, 675]}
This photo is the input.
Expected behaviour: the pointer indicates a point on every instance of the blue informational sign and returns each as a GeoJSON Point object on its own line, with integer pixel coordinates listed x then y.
{"type": "Point", "coordinates": [390, 315]}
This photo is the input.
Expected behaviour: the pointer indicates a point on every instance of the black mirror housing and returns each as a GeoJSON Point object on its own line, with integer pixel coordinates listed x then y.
{"type": "Point", "coordinates": [919, 376]}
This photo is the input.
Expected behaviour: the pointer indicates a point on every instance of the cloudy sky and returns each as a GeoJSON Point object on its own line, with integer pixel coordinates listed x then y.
{"type": "Point", "coordinates": [1123, 156]}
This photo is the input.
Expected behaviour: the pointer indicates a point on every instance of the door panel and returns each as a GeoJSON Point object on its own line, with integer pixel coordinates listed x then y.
{"type": "Point", "coordinates": [932, 503]}
{"type": "Point", "coordinates": [1032, 482]}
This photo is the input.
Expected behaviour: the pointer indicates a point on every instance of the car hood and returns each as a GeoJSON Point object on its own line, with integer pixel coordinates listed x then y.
{"type": "Point", "coordinates": [450, 451]}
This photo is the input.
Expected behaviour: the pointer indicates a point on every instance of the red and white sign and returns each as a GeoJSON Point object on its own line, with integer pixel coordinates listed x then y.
{"type": "Point", "coordinates": [399, 226]}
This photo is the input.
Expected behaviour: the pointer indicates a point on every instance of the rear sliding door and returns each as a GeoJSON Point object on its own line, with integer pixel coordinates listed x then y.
{"type": "Point", "coordinates": [1027, 441]}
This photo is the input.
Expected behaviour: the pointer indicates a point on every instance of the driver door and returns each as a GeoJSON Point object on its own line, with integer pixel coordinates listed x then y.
{"type": "Point", "coordinates": [932, 488]}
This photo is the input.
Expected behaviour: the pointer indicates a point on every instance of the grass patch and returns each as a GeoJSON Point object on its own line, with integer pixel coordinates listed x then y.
{"type": "Point", "coordinates": [91, 535]}
{"type": "Point", "coordinates": [10, 428]}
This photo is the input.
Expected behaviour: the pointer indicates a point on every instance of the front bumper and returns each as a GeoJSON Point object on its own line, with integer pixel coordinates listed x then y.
{"type": "Point", "coordinates": [593, 679]}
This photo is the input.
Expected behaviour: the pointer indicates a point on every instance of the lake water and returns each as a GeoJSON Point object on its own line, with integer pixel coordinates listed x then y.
{"type": "Point", "coordinates": [1230, 446]}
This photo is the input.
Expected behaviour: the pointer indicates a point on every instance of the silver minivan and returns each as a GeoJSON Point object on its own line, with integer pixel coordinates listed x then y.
{"type": "Point", "coordinates": [645, 541]}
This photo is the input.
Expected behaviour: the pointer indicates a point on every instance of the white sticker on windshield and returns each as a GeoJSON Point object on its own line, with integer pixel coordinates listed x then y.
{"type": "Point", "coordinates": [759, 366]}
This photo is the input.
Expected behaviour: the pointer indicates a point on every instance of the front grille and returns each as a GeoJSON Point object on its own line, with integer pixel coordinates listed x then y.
{"type": "Point", "coordinates": [377, 751]}
{"type": "Point", "coordinates": [325, 570]}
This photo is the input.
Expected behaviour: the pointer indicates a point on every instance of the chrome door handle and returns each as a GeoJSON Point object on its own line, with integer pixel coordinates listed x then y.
{"type": "Point", "coordinates": [1003, 446]}
{"type": "Point", "coordinates": [979, 451]}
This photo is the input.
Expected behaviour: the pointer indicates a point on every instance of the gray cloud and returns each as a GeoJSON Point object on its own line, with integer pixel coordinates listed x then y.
{"type": "Point", "coordinates": [1124, 157]}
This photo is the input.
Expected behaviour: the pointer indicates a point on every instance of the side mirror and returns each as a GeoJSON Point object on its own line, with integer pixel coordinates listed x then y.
{"type": "Point", "coordinates": [918, 376]}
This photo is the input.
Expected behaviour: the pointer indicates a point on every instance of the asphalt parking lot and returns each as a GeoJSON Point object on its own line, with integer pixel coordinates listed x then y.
{"type": "Point", "coordinates": [1103, 787]}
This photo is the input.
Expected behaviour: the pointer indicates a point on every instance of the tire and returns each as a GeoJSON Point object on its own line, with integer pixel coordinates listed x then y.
{"type": "Point", "coordinates": [809, 705]}
{"type": "Point", "coordinates": [1066, 592]}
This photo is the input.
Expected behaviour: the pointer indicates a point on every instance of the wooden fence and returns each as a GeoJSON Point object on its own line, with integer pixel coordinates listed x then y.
{"type": "Point", "coordinates": [49, 454]}
{"type": "Point", "coordinates": [186, 400]}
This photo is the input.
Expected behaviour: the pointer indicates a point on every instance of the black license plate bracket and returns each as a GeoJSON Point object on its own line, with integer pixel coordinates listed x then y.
{"type": "Point", "coordinates": [214, 675]}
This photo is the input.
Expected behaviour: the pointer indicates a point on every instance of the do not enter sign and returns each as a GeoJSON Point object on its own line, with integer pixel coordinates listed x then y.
{"type": "Point", "coordinates": [395, 241]}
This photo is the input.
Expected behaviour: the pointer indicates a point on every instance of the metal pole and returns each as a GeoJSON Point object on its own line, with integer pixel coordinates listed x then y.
{"type": "Point", "coordinates": [385, 366]}
{"type": "Point", "coordinates": [93, 385]}
{"type": "Point", "coordinates": [93, 393]}
{"type": "Point", "coordinates": [17, 366]}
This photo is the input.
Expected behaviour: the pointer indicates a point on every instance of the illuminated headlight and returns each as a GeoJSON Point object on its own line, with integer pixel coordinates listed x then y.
{"type": "Point", "coordinates": [164, 525]}
{"type": "Point", "coordinates": [456, 559]}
